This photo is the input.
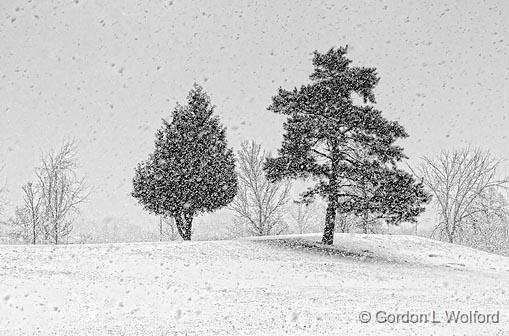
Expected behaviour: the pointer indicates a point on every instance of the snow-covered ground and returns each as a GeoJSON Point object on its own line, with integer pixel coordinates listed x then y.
{"type": "Point", "coordinates": [283, 285]}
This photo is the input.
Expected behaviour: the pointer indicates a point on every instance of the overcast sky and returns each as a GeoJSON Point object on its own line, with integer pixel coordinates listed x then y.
{"type": "Point", "coordinates": [106, 72]}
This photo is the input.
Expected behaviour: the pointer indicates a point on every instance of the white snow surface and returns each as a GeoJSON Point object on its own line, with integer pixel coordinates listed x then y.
{"type": "Point", "coordinates": [284, 285]}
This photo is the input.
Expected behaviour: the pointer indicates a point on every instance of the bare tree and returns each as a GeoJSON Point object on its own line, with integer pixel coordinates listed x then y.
{"type": "Point", "coordinates": [305, 217]}
{"type": "Point", "coordinates": [20, 225]}
{"type": "Point", "coordinates": [348, 223]}
{"type": "Point", "coordinates": [301, 215]}
{"type": "Point", "coordinates": [33, 209]}
{"type": "Point", "coordinates": [457, 179]}
{"type": "Point", "coordinates": [488, 227]}
{"type": "Point", "coordinates": [62, 190]}
{"type": "Point", "coordinates": [259, 204]}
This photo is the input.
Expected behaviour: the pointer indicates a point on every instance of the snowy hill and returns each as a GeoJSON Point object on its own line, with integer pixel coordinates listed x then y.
{"type": "Point", "coordinates": [272, 286]}
{"type": "Point", "coordinates": [404, 249]}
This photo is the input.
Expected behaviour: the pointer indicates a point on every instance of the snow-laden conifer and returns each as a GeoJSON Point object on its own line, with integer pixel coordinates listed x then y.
{"type": "Point", "coordinates": [192, 169]}
{"type": "Point", "coordinates": [347, 148]}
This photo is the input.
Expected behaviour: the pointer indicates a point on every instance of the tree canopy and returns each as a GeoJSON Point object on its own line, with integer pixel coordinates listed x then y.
{"type": "Point", "coordinates": [191, 170]}
{"type": "Point", "coordinates": [347, 148]}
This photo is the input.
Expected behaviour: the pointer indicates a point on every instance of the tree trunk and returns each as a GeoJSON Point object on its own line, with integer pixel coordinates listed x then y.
{"type": "Point", "coordinates": [33, 224]}
{"type": "Point", "coordinates": [330, 215]}
{"type": "Point", "coordinates": [365, 222]}
{"type": "Point", "coordinates": [184, 225]}
{"type": "Point", "coordinates": [56, 233]}
{"type": "Point", "coordinates": [180, 225]}
{"type": "Point", "coordinates": [449, 231]}
{"type": "Point", "coordinates": [450, 236]}
{"type": "Point", "coordinates": [188, 218]}
{"type": "Point", "coordinates": [330, 221]}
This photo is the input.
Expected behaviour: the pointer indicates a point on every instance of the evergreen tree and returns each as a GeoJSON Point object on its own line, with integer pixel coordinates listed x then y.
{"type": "Point", "coordinates": [347, 148]}
{"type": "Point", "coordinates": [191, 169]}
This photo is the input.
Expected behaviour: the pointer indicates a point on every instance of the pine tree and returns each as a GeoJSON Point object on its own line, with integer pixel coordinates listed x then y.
{"type": "Point", "coordinates": [191, 170]}
{"type": "Point", "coordinates": [347, 148]}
